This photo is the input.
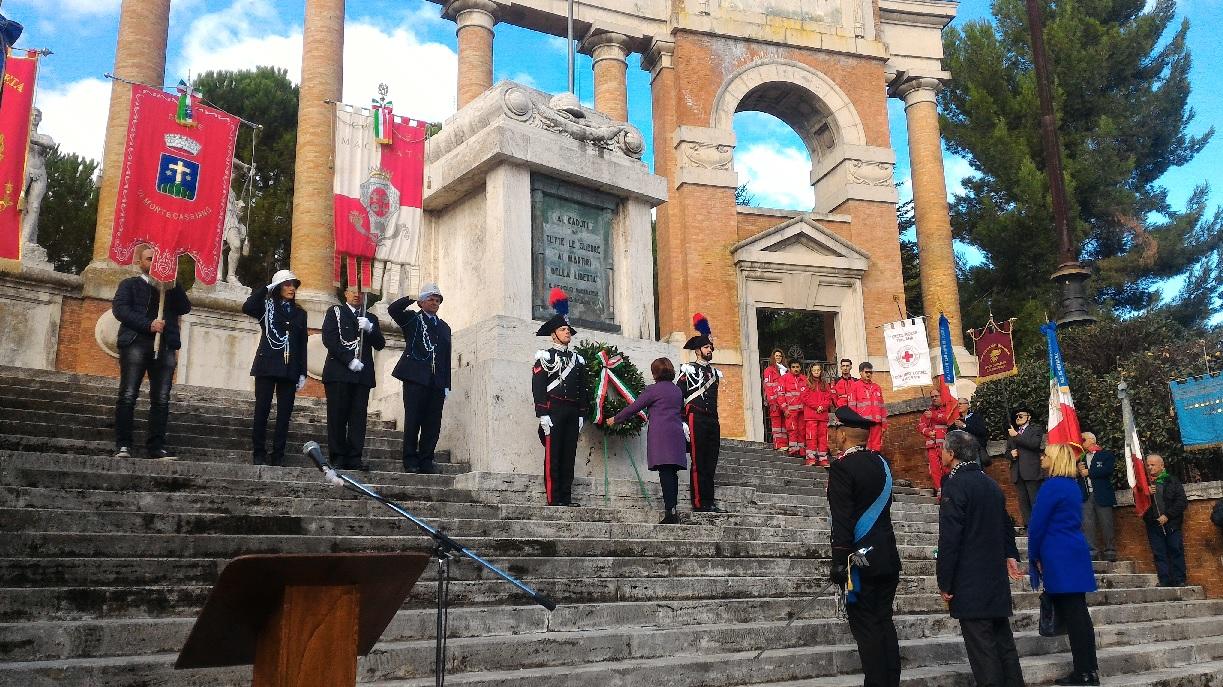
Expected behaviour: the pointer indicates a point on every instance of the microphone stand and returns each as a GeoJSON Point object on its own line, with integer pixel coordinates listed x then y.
{"type": "Point", "coordinates": [445, 549]}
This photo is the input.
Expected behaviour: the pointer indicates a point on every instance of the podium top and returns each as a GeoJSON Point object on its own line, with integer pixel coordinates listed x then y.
{"type": "Point", "coordinates": [251, 588]}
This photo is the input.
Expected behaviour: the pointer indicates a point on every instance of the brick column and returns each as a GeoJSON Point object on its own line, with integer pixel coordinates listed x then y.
{"type": "Point", "coordinates": [475, 19]}
{"type": "Point", "coordinates": [671, 263]}
{"type": "Point", "coordinates": [938, 282]}
{"type": "Point", "coordinates": [322, 79]}
{"type": "Point", "coordinates": [610, 54]}
{"type": "Point", "coordinates": [139, 56]}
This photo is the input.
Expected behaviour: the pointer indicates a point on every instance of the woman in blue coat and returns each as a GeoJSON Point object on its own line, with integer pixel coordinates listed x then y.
{"type": "Point", "coordinates": [1059, 557]}
{"type": "Point", "coordinates": [665, 434]}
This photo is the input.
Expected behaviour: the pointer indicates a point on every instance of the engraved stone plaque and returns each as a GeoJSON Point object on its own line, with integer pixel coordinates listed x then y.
{"type": "Point", "coordinates": [571, 236]}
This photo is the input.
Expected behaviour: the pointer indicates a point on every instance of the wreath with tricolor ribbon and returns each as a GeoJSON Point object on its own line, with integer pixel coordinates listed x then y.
{"type": "Point", "coordinates": [615, 382]}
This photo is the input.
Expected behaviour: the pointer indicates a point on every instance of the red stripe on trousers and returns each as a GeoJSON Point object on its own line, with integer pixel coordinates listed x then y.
{"type": "Point", "coordinates": [696, 488]}
{"type": "Point", "coordinates": [548, 467]}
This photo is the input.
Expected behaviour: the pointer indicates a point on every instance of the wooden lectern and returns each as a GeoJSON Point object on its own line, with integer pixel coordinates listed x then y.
{"type": "Point", "coordinates": [301, 619]}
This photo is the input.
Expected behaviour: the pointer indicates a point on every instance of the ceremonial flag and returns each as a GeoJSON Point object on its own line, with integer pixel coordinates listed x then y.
{"type": "Point", "coordinates": [1199, 410]}
{"type": "Point", "coordinates": [378, 188]}
{"type": "Point", "coordinates": [174, 184]}
{"type": "Point", "coordinates": [908, 352]}
{"type": "Point", "coordinates": [1135, 469]}
{"type": "Point", "coordinates": [995, 350]}
{"type": "Point", "coordinates": [1063, 419]}
{"type": "Point", "coordinates": [951, 369]}
{"type": "Point", "coordinates": [18, 100]}
{"type": "Point", "coordinates": [10, 31]}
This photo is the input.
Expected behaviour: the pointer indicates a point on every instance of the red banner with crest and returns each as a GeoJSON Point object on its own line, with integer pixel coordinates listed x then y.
{"type": "Point", "coordinates": [19, 76]}
{"type": "Point", "coordinates": [995, 350]}
{"type": "Point", "coordinates": [174, 184]}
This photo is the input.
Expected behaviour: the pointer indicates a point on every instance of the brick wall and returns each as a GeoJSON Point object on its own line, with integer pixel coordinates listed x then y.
{"type": "Point", "coordinates": [1203, 541]}
{"type": "Point", "coordinates": [79, 351]}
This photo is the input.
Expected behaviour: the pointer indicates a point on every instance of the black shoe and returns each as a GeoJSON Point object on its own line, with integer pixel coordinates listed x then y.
{"type": "Point", "coordinates": [1091, 678]}
{"type": "Point", "coordinates": [573, 504]}
{"type": "Point", "coordinates": [558, 504]}
{"type": "Point", "coordinates": [702, 509]}
{"type": "Point", "coordinates": [670, 518]}
{"type": "Point", "coordinates": [714, 509]}
{"type": "Point", "coordinates": [162, 454]}
{"type": "Point", "coordinates": [123, 452]}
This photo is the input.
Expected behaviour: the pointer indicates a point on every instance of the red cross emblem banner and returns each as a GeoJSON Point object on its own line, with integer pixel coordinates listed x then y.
{"type": "Point", "coordinates": [174, 184]}
{"type": "Point", "coordinates": [908, 352]}
{"type": "Point", "coordinates": [18, 99]}
{"type": "Point", "coordinates": [379, 184]}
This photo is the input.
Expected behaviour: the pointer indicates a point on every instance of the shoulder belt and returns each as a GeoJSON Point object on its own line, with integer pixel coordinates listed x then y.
{"type": "Point", "coordinates": [700, 390]}
{"type": "Point", "coordinates": [560, 376]}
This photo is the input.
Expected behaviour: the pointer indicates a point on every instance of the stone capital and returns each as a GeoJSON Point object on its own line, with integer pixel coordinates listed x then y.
{"type": "Point", "coordinates": [705, 156]}
{"type": "Point", "coordinates": [657, 57]}
{"type": "Point", "coordinates": [481, 13]}
{"type": "Point", "coordinates": [606, 45]}
{"type": "Point", "coordinates": [854, 172]}
{"type": "Point", "coordinates": [917, 90]}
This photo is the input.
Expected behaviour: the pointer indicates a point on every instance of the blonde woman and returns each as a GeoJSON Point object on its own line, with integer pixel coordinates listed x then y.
{"type": "Point", "coordinates": [1059, 557]}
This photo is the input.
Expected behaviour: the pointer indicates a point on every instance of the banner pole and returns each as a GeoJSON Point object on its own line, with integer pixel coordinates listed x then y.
{"type": "Point", "coordinates": [161, 312]}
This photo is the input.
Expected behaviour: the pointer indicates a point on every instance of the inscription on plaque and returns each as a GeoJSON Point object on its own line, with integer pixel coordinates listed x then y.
{"type": "Point", "coordinates": [571, 230]}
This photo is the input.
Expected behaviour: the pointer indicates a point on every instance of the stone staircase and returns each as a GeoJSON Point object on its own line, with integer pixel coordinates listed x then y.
{"type": "Point", "coordinates": [104, 564]}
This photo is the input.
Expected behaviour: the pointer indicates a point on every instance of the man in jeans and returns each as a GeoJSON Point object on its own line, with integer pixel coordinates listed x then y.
{"type": "Point", "coordinates": [135, 306]}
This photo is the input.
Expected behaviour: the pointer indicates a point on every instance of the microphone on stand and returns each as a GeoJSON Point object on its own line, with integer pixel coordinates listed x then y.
{"type": "Point", "coordinates": [315, 453]}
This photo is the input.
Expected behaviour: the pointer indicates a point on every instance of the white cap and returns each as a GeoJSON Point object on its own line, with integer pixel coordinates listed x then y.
{"type": "Point", "coordinates": [429, 289]}
{"type": "Point", "coordinates": [284, 276]}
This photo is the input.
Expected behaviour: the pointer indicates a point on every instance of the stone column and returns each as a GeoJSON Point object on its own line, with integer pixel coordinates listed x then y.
{"type": "Point", "coordinates": [610, 54]}
{"type": "Point", "coordinates": [322, 80]}
{"type": "Point", "coordinates": [938, 281]}
{"type": "Point", "coordinates": [139, 56]}
{"type": "Point", "coordinates": [475, 19]}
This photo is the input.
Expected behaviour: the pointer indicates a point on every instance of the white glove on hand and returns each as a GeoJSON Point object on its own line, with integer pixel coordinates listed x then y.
{"type": "Point", "coordinates": [301, 382]}
{"type": "Point", "coordinates": [581, 423]}
{"type": "Point", "coordinates": [687, 431]}
{"type": "Point", "coordinates": [365, 324]}
{"type": "Point", "coordinates": [356, 365]}
{"type": "Point", "coordinates": [545, 423]}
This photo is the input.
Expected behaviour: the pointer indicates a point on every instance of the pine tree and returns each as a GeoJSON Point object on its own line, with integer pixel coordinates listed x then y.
{"type": "Point", "coordinates": [1121, 88]}
{"type": "Point", "coordinates": [69, 211]}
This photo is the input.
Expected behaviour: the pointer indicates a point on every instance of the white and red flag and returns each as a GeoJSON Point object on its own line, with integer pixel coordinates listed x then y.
{"type": "Point", "coordinates": [1135, 469]}
{"type": "Point", "coordinates": [1063, 418]}
{"type": "Point", "coordinates": [174, 184]}
{"type": "Point", "coordinates": [378, 189]}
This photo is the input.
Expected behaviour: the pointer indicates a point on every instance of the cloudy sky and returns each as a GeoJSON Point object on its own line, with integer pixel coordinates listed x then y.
{"type": "Point", "coordinates": [405, 44]}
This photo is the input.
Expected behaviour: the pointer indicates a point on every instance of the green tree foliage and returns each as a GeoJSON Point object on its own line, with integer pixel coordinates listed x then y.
{"type": "Point", "coordinates": [1146, 351]}
{"type": "Point", "coordinates": [910, 269]}
{"type": "Point", "coordinates": [265, 96]}
{"type": "Point", "coordinates": [744, 196]}
{"type": "Point", "coordinates": [1121, 86]}
{"type": "Point", "coordinates": [69, 211]}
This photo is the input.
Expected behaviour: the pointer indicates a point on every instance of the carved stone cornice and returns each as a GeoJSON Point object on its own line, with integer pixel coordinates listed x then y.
{"type": "Point", "coordinates": [705, 156]}
{"type": "Point", "coordinates": [658, 57]}
{"type": "Point", "coordinates": [536, 109]}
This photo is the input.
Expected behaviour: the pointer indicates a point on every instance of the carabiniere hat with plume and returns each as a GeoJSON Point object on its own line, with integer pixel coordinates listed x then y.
{"type": "Point", "coordinates": [701, 325]}
{"type": "Point", "coordinates": [560, 303]}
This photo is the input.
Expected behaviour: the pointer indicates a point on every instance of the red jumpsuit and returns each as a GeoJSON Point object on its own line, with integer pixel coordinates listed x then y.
{"type": "Point", "coordinates": [773, 395]}
{"type": "Point", "coordinates": [794, 386]}
{"type": "Point", "coordinates": [867, 399]}
{"type": "Point", "coordinates": [840, 391]}
{"type": "Point", "coordinates": [817, 399]}
{"type": "Point", "coordinates": [933, 426]}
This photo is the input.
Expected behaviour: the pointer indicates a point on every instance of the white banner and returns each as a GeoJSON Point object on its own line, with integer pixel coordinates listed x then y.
{"type": "Point", "coordinates": [908, 352]}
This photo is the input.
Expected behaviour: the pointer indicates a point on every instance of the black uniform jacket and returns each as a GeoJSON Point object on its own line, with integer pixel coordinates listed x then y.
{"type": "Point", "coordinates": [975, 537]}
{"type": "Point", "coordinates": [854, 482]}
{"type": "Point", "coordinates": [1027, 465]}
{"type": "Point", "coordinates": [419, 365]}
{"type": "Point", "coordinates": [135, 306]}
{"type": "Point", "coordinates": [1174, 504]}
{"type": "Point", "coordinates": [270, 362]}
{"type": "Point", "coordinates": [693, 378]}
{"type": "Point", "coordinates": [344, 327]}
{"type": "Point", "coordinates": [573, 390]}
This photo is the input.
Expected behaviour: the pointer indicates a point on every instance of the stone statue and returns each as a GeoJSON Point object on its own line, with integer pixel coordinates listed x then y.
{"type": "Point", "coordinates": [235, 240]}
{"type": "Point", "coordinates": [35, 184]}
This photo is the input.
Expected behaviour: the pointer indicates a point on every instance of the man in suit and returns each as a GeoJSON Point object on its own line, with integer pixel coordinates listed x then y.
{"type": "Point", "coordinates": [976, 555]}
{"type": "Point", "coordinates": [351, 335]}
{"type": "Point", "coordinates": [424, 370]}
{"type": "Point", "coordinates": [864, 555]}
{"type": "Point", "coordinates": [1096, 475]}
{"type": "Point", "coordinates": [135, 305]}
{"type": "Point", "coordinates": [974, 423]}
{"type": "Point", "coordinates": [1023, 450]}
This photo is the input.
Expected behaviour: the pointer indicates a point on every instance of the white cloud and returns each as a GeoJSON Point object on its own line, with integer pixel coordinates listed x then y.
{"type": "Point", "coordinates": [955, 170]}
{"type": "Point", "coordinates": [779, 177]}
{"type": "Point", "coordinates": [75, 115]}
{"type": "Point", "coordinates": [72, 8]}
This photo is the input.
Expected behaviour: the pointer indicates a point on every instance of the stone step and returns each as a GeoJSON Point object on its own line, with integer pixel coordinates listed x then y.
{"type": "Point", "coordinates": [54, 379]}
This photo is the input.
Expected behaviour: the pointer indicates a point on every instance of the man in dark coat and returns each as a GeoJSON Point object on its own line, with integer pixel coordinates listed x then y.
{"type": "Point", "coordinates": [976, 555]}
{"type": "Point", "coordinates": [562, 400]}
{"type": "Point", "coordinates": [135, 306]}
{"type": "Point", "coordinates": [974, 423]}
{"type": "Point", "coordinates": [1096, 473]}
{"type": "Point", "coordinates": [860, 499]}
{"type": "Point", "coordinates": [1165, 522]}
{"type": "Point", "coordinates": [424, 369]}
{"type": "Point", "coordinates": [1023, 450]}
{"type": "Point", "coordinates": [279, 367]}
{"type": "Point", "coordinates": [351, 335]}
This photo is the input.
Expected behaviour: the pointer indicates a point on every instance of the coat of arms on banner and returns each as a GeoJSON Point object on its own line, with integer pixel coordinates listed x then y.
{"type": "Point", "coordinates": [380, 199]}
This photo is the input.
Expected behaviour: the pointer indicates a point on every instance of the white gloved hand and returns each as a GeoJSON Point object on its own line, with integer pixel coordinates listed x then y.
{"type": "Point", "coordinates": [447, 394]}
{"type": "Point", "coordinates": [356, 365]}
{"type": "Point", "coordinates": [687, 431]}
{"type": "Point", "coordinates": [301, 382]}
{"type": "Point", "coordinates": [365, 324]}
{"type": "Point", "coordinates": [581, 423]}
{"type": "Point", "coordinates": [545, 423]}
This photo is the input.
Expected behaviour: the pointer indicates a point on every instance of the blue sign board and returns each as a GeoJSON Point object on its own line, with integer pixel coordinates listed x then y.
{"type": "Point", "coordinates": [1199, 410]}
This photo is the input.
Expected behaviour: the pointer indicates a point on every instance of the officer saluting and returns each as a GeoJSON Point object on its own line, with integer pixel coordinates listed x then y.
{"type": "Point", "coordinates": [699, 384]}
{"type": "Point", "coordinates": [351, 335]}
{"type": "Point", "coordinates": [558, 385]}
{"type": "Point", "coordinates": [860, 498]}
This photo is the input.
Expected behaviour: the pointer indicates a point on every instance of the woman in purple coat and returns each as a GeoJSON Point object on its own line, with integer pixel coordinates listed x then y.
{"type": "Point", "coordinates": [665, 434]}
